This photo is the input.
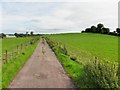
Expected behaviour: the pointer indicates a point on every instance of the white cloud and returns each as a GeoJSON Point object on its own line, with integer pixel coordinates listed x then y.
{"type": "Point", "coordinates": [53, 22]}
{"type": "Point", "coordinates": [0, 17]}
{"type": "Point", "coordinates": [62, 13]}
{"type": "Point", "coordinates": [63, 17]}
{"type": "Point", "coordinates": [90, 13]}
{"type": "Point", "coordinates": [58, 0]}
{"type": "Point", "coordinates": [13, 19]}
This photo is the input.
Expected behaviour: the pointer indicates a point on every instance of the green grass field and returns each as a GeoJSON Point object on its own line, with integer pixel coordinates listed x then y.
{"type": "Point", "coordinates": [94, 61]}
{"type": "Point", "coordinates": [10, 43]}
{"type": "Point", "coordinates": [86, 46]}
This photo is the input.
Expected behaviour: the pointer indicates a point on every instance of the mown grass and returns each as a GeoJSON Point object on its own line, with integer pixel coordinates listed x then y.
{"type": "Point", "coordinates": [10, 69]}
{"type": "Point", "coordinates": [86, 46]}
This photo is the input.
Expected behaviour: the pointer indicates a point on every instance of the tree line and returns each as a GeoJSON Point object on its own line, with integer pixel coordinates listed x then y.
{"type": "Point", "coordinates": [25, 35]}
{"type": "Point", "coordinates": [101, 29]}
{"type": "Point", "coordinates": [2, 35]}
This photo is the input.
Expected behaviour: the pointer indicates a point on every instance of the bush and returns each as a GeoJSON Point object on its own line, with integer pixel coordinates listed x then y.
{"type": "Point", "coordinates": [101, 74]}
{"type": "Point", "coordinates": [62, 49]}
{"type": "Point", "coordinates": [56, 46]}
{"type": "Point", "coordinates": [112, 33]}
{"type": "Point", "coordinates": [73, 57]}
{"type": "Point", "coordinates": [82, 31]}
{"type": "Point", "coordinates": [105, 30]}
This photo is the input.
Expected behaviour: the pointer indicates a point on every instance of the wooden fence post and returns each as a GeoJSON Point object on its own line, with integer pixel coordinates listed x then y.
{"type": "Point", "coordinates": [6, 56]}
{"type": "Point", "coordinates": [21, 47]}
{"type": "Point", "coordinates": [17, 49]}
{"type": "Point", "coordinates": [26, 45]}
{"type": "Point", "coordinates": [12, 54]}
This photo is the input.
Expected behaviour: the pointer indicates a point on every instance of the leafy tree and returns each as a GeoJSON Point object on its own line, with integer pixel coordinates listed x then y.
{"type": "Point", "coordinates": [112, 33]}
{"type": "Point", "coordinates": [93, 29]}
{"type": "Point", "coordinates": [82, 31]}
{"type": "Point", "coordinates": [31, 33]}
{"type": "Point", "coordinates": [105, 30]}
{"type": "Point", "coordinates": [16, 34]}
{"type": "Point", "coordinates": [99, 27]}
{"type": "Point", "coordinates": [2, 35]}
{"type": "Point", "coordinates": [26, 33]}
{"type": "Point", "coordinates": [88, 30]}
{"type": "Point", "coordinates": [20, 35]}
{"type": "Point", "coordinates": [118, 31]}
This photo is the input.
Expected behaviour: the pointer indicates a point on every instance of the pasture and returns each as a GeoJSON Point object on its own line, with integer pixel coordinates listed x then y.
{"type": "Point", "coordinates": [91, 60]}
{"type": "Point", "coordinates": [10, 43]}
{"type": "Point", "coordinates": [86, 46]}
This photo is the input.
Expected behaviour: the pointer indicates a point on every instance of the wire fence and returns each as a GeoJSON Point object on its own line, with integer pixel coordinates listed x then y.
{"type": "Point", "coordinates": [13, 53]}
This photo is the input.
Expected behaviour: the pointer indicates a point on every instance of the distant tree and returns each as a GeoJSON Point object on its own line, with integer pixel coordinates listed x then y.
{"type": "Point", "coordinates": [26, 33]}
{"type": "Point", "coordinates": [31, 33]}
{"type": "Point", "coordinates": [82, 31]}
{"type": "Point", "coordinates": [2, 35]}
{"type": "Point", "coordinates": [99, 28]}
{"type": "Point", "coordinates": [38, 34]}
{"type": "Point", "coordinates": [118, 31]}
{"type": "Point", "coordinates": [88, 30]}
{"type": "Point", "coordinates": [22, 35]}
{"type": "Point", "coordinates": [16, 34]}
{"type": "Point", "coordinates": [93, 29]}
{"type": "Point", "coordinates": [105, 30]}
{"type": "Point", "coordinates": [112, 33]}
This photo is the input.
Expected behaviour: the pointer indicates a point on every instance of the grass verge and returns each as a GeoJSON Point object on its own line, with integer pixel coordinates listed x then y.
{"type": "Point", "coordinates": [73, 69]}
{"type": "Point", "coordinates": [10, 69]}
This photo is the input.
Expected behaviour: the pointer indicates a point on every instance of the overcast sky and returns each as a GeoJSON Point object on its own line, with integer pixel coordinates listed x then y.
{"type": "Point", "coordinates": [56, 16]}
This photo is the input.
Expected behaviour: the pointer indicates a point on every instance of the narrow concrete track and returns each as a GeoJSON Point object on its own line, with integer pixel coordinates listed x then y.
{"type": "Point", "coordinates": [42, 70]}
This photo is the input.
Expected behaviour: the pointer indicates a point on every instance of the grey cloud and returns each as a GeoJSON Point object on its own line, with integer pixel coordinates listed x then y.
{"type": "Point", "coordinates": [58, 17]}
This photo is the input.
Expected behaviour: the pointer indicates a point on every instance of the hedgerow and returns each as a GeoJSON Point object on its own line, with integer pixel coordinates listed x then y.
{"type": "Point", "coordinates": [101, 74]}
